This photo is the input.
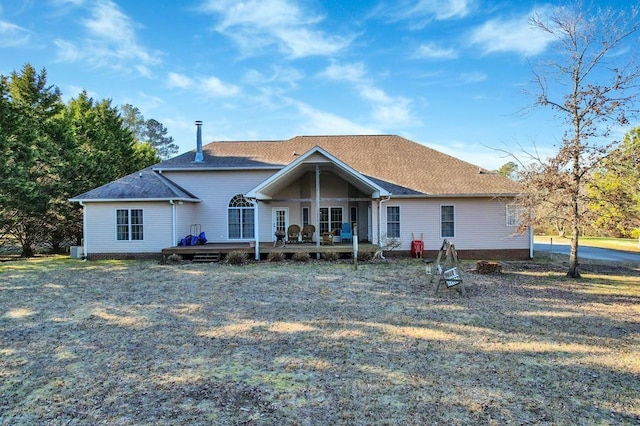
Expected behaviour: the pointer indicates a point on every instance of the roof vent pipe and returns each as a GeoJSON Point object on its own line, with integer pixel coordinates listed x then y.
{"type": "Point", "coordinates": [199, 156]}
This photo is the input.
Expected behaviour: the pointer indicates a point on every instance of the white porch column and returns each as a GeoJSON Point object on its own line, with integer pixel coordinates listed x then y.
{"type": "Point", "coordinates": [256, 227]}
{"type": "Point", "coordinates": [317, 205]}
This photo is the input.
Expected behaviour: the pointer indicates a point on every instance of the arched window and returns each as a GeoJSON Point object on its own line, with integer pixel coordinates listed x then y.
{"type": "Point", "coordinates": [241, 223]}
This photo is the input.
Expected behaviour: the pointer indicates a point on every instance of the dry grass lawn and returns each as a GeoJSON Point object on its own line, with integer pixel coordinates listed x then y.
{"type": "Point", "coordinates": [316, 343]}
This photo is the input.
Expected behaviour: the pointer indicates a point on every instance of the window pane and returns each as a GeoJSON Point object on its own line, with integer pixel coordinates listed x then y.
{"type": "Point", "coordinates": [393, 222]}
{"type": "Point", "coordinates": [324, 219]}
{"type": "Point", "coordinates": [136, 224]}
{"type": "Point", "coordinates": [234, 223]}
{"type": "Point", "coordinates": [513, 215]}
{"type": "Point", "coordinates": [305, 216]}
{"type": "Point", "coordinates": [247, 223]}
{"type": "Point", "coordinates": [122, 225]}
{"type": "Point", "coordinates": [447, 221]}
{"type": "Point", "coordinates": [336, 218]}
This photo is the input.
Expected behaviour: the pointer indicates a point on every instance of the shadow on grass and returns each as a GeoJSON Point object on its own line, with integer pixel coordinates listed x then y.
{"type": "Point", "coordinates": [318, 344]}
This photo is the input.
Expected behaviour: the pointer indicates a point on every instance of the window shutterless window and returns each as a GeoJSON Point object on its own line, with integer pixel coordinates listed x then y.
{"type": "Point", "coordinates": [240, 218]}
{"type": "Point", "coordinates": [514, 213]}
{"type": "Point", "coordinates": [393, 221]}
{"type": "Point", "coordinates": [129, 225]}
{"type": "Point", "coordinates": [330, 218]}
{"type": "Point", "coordinates": [447, 224]}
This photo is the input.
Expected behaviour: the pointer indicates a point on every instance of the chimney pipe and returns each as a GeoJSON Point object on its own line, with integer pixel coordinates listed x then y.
{"type": "Point", "coordinates": [199, 156]}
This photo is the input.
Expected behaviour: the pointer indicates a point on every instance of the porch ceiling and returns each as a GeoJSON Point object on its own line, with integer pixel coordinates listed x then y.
{"type": "Point", "coordinates": [271, 190]}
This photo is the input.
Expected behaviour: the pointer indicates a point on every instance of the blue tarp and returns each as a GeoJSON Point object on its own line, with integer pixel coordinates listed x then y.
{"type": "Point", "coordinates": [192, 240]}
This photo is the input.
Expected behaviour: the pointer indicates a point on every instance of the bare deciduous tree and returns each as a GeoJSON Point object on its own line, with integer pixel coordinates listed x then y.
{"type": "Point", "coordinates": [590, 82]}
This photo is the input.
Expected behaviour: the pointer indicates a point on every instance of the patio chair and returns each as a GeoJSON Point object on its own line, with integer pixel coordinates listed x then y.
{"type": "Point", "coordinates": [307, 233]}
{"type": "Point", "coordinates": [327, 237]}
{"type": "Point", "coordinates": [345, 232]}
{"type": "Point", "coordinates": [293, 233]}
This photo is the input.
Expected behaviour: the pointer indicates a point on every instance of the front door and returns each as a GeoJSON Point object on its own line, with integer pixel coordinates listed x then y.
{"type": "Point", "coordinates": [280, 220]}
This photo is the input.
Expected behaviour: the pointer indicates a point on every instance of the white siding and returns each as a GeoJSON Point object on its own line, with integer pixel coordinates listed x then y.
{"type": "Point", "coordinates": [480, 224]}
{"type": "Point", "coordinates": [215, 189]}
{"type": "Point", "coordinates": [101, 228]}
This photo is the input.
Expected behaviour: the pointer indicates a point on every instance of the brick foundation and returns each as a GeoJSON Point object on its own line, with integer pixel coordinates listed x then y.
{"type": "Point", "coordinates": [125, 256]}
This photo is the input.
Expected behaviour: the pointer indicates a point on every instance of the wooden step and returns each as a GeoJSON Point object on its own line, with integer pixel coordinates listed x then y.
{"type": "Point", "coordinates": [206, 257]}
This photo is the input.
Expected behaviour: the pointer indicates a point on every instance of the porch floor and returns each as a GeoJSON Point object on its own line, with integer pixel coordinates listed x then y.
{"type": "Point", "coordinates": [266, 248]}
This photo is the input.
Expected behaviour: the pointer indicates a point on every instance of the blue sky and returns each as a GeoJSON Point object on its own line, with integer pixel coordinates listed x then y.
{"type": "Point", "coordinates": [449, 74]}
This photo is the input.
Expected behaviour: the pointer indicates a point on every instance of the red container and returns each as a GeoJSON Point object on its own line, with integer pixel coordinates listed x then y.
{"type": "Point", "coordinates": [417, 247]}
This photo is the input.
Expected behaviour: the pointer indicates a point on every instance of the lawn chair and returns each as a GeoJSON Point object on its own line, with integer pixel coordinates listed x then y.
{"type": "Point", "coordinates": [346, 233]}
{"type": "Point", "coordinates": [327, 237]}
{"type": "Point", "coordinates": [307, 233]}
{"type": "Point", "coordinates": [293, 233]}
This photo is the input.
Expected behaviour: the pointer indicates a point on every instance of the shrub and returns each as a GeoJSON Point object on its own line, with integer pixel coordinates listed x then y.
{"type": "Point", "coordinates": [364, 256]}
{"type": "Point", "coordinates": [275, 256]}
{"type": "Point", "coordinates": [301, 256]}
{"type": "Point", "coordinates": [330, 255]}
{"type": "Point", "coordinates": [236, 257]}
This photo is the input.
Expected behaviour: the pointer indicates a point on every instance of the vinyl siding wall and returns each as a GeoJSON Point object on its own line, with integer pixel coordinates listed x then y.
{"type": "Point", "coordinates": [480, 224]}
{"type": "Point", "coordinates": [215, 189]}
{"type": "Point", "coordinates": [101, 228]}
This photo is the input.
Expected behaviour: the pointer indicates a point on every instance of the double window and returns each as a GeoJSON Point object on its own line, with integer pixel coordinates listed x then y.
{"type": "Point", "coordinates": [447, 222]}
{"type": "Point", "coordinates": [129, 225]}
{"type": "Point", "coordinates": [330, 218]}
{"type": "Point", "coordinates": [241, 218]}
{"type": "Point", "coordinates": [393, 221]}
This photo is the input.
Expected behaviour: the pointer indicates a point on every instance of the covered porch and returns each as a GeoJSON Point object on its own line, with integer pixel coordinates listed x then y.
{"type": "Point", "coordinates": [210, 250]}
{"type": "Point", "coordinates": [318, 190]}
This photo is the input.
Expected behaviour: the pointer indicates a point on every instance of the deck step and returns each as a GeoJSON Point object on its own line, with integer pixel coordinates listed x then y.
{"type": "Point", "coordinates": [206, 257]}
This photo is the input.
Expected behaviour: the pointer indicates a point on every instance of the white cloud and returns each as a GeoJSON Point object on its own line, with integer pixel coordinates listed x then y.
{"type": "Point", "coordinates": [421, 13]}
{"type": "Point", "coordinates": [278, 75]}
{"type": "Point", "coordinates": [472, 77]}
{"type": "Point", "coordinates": [212, 86]}
{"type": "Point", "coordinates": [394, 113]}
{"type": "Point", "coordinates": [12, 35]}
{"type": "Point", "coordinates": [179, 80]}
{"type": "Point", "coordinates": [432, 51]}
{"type": "Point", "coordinates": [441, 9]}
{"type": "Point", "coordinates": [511, 35]}
{"type": "Point", "coordinates": [387, 110]}
{"type": "Point", "coordinates": [257, 24]}
{"type": "Point", "coordinates": [325, 123]}
{"type": "Point", "coordinates": [354, 72]}
{"type": "Point", "coordinates": [110, 41]}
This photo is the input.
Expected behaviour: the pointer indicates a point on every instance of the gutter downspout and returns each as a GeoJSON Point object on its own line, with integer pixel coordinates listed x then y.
{"type": "Point", "coordinates": [380, 223]}
{"type": "Point", "coordinates": [85, 244]}
{"type": "Point", "coordinates": [173, 222]}
{"type": "Point", "coordinates": [256, 227]}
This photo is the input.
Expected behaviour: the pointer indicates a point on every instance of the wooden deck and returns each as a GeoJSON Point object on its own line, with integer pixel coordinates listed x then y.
{"type": "Point", "coordinates": [265, 249]}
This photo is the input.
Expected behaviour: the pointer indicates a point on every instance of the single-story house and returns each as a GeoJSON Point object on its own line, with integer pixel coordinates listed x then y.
{"type": "Point", "coordinates": [243, 192]}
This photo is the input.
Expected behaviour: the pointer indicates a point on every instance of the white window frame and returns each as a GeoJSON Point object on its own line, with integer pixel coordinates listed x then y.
{"type": "Point", "coordinates": [453, 221]}
{"type": "Point", "coordinates": [248, 206]}
{"type": "Point", "coordinates": [329, 222]}
{"type": "Point", "coordinates": [308, 214]}
{"type": "Point", "coordinates": [399, 222]}
{"type": "Point", "coordinates": [513, 214]}
{"type": "Point", "coordinates": [130, 226]}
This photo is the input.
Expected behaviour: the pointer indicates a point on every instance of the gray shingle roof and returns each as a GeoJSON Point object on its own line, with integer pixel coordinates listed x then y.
{"type": "Point", "coordinates": [143, 185]}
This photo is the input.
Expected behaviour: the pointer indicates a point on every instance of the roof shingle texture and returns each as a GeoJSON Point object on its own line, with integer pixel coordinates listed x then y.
{"type": "Point", "coordinates": [145, 184]}
{"type": "Point", "coordinates": [388, 158]}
